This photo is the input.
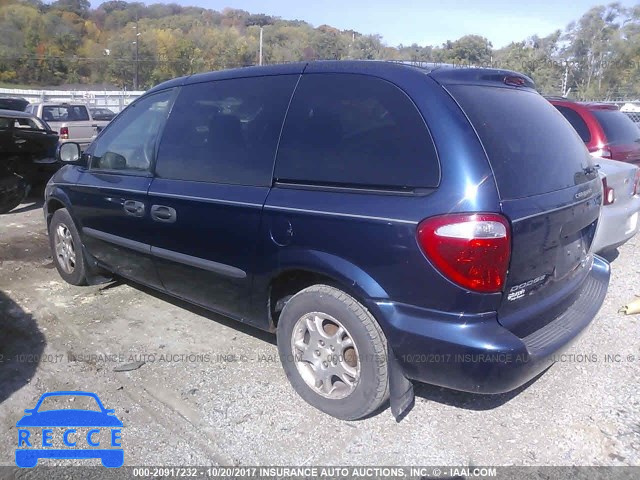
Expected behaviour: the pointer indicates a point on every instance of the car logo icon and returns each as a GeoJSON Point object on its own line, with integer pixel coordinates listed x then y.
{"type": "Point", "coordinates": [68, 421]}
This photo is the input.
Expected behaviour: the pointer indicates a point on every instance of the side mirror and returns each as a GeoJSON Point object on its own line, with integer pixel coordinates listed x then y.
{"type": "Point", "coordinates": [69, 152]}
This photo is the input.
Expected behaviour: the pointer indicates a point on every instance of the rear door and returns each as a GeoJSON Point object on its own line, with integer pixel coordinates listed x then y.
{"type": "Point", "coordinates": [110, 198]}
{"type": "Point", "coordinates": [30, 136]}
{"type": "Point", "coordinates": [549, 190]}
{"type": "Point", "coordinates": [213, 174]}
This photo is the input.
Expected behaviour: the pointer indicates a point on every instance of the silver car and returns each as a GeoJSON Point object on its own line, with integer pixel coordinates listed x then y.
{"type": "Point", "coordinates": [621, 204]}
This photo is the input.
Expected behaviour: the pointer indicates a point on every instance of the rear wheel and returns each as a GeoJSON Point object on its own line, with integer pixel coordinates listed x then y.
{"type": "Point", "coordinates": [66, 248]}
{"type": "Point", "coordinates": [333, 352]}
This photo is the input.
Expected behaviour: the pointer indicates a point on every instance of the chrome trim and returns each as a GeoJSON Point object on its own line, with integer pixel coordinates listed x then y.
{"type": "Point", "coordinates": [206, 200]}
{"type": "Point", "coordinates": [84, 185]}
{"type": "Point", "coordinates": [337, 214]}
{"type": "Point", "coordinates": [545, 212]}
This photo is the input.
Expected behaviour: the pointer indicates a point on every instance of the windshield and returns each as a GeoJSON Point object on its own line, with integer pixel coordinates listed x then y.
{"type": "Point", "coordinates": [531, 147]}
{"type": "Point", "coordinates": [618, 128]}
{"type": "Point", "coordinates": [69, 402]}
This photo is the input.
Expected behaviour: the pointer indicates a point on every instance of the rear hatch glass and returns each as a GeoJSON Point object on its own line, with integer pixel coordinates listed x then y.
{"type": "Point", "coordinates": [531, 147]}
{"type": "Point", "coordinates": [618, 128]}
{"type": "Point", "coordinates": [550, 192]}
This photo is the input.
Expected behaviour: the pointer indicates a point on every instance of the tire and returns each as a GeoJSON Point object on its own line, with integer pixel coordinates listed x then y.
{"type": "Point", "coordinates": [12, 192]}
{"type": "Point", "coordinates": [308, 355]}
{"type": "Point", "coordinates": [63, 230]}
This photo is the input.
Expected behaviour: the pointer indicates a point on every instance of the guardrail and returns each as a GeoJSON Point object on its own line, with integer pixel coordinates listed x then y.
{"type": "Point", "coordinates": [115, 100]}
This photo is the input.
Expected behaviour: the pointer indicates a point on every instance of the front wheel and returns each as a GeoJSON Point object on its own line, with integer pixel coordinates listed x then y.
{"type": "Point", "coordinates": [333, 352]}
{"type": "Point", "coordinates": [66, 248]}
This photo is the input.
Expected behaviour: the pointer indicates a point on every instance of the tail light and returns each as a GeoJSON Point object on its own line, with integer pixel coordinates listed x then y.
{"type": "Point", "coordinates": [636, 185]}
{"type": "Point", "coordinates": [602, 153]}
{"type": "Point", "coordinates": [608, 193]}
{"type": "Point", "coordinates": [64, 133]}
{"type": "Point", "coordinates": [472, 250]}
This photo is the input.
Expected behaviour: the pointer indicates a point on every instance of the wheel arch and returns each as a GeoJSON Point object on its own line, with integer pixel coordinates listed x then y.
{"type": "Point", "coordinates": [301, 269]}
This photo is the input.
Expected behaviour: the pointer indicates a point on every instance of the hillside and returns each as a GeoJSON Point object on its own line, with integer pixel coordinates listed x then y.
{"type": "Point", "coordinates": [68, 42]}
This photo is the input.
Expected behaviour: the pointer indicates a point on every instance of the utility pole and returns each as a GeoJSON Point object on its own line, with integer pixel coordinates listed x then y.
{"type": "Point", "coordinates": [137, 44]}
{"type": "Point", "coordinates": [260, 56]}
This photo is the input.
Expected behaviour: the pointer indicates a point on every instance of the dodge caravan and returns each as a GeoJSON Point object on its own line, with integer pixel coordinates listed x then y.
{"type": "Point", "coordinates": [389, 223]}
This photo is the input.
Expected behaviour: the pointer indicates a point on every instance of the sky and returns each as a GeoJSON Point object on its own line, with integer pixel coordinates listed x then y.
{"type": "Point", "coordinates": [425, 22]}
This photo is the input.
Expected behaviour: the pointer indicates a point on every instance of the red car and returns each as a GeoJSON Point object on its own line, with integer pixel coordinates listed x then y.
{"type": "Point", "coordinates": [605, 130]}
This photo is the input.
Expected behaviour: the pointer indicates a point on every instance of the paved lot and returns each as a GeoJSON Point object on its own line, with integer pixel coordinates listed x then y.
{"type": "Point", "coordinates": [212, 391]}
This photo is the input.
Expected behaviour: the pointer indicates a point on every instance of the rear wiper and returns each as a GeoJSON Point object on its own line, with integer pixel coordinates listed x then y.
{"type": "Point", "coordinates": [590, 170]}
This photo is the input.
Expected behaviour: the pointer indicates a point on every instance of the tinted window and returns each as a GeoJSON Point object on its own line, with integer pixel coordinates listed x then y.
{"type": "Point", "coordinates": [355, 130]}
{"type": "Point", "coordinates": [617, 126]}
{"type": "Point", "coordinates": [129, 141]}
{"type": "Point", "coordinates": [65, 113]}
{"type": "Point", "coordinates": [225, 131]}
{"type": "Point", "coordinates": [576, 122]}
{"type": "Point", "coordinates": [532, 149]}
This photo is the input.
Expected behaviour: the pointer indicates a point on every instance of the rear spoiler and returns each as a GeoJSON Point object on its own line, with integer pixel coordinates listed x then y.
{"type": "Point", "coordinates": [482, 76]}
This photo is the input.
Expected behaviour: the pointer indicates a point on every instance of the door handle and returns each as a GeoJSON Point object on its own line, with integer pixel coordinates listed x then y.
{"type": "Point", "coordinates": [133, 208]}
{"type": "Point", "coordinates": [162, 213]}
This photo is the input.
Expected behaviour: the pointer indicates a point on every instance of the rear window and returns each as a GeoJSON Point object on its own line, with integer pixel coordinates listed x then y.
{"type": "Point", "coordinates": [356, 131]}
{"type": "Point", "coordinates": [65, 113]}
{"type": "Point", "coordinates": [618, 128]}
{"type": "Point", "coordinates": [531, 147]}
{"type": "Point", "coordinates": [576, 122]}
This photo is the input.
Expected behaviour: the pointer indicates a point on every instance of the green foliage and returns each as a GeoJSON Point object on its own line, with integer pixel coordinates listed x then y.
{"type": "Point", "coordinates": [66, 41]}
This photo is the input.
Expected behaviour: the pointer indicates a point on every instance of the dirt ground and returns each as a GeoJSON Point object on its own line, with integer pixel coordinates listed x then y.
{"type": "Point", "coordinates": [212, 392]}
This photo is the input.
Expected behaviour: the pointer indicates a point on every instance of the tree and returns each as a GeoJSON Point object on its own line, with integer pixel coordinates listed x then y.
{"type": "Point", "coordinates": [590, 46]}
{"type": "Point", "coordinates": [470, 50]}
{"type": "Point", "coordinates": [79, 7]}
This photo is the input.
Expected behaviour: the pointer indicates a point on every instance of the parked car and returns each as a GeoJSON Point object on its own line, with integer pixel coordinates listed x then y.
{"type": "Point", "coordinates": [72, 121]}
{"type": "Point", "coordinates": [27, 156]}
{"type": "Point", "coordinates": [102, 114]}
{"type": "Point", "coordinates": [605, 130]}
{"type": "Point", "coordinates": [390, 223]}
{"type": "Point", "coordinates": [13, 103]}
{"type": "Point", "coordinates": [621, 201]}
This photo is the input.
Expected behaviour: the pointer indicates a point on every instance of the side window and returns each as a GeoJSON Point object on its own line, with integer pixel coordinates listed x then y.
{"type": "Point", "coordinates": [28, 124]}
{"type": "Point", "coordinates": [129, 141]}
{"type": "Point", "coordinates": [577, 122]}
{"type": "Point", "coordinates": [355, 130]}
{"type": "Point", "coordinates": [225, 131]}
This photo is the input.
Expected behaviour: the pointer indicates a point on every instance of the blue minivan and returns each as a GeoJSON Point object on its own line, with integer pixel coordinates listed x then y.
{"type": "Point", "coordinates": [390, 223]}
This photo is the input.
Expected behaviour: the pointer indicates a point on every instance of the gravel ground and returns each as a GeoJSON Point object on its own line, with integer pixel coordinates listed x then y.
{"type": "Point", "coordinates": [212, 391]}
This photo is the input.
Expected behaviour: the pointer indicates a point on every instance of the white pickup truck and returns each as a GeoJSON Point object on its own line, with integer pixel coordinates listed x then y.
{"type": "Point", "coordinates": [72, 121]}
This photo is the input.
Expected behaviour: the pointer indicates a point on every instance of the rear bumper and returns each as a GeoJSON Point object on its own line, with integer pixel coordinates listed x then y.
{"type": "Point", "coordinates": [474, 353]}
{"type": "Point", "coordinates": [618, 223]}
